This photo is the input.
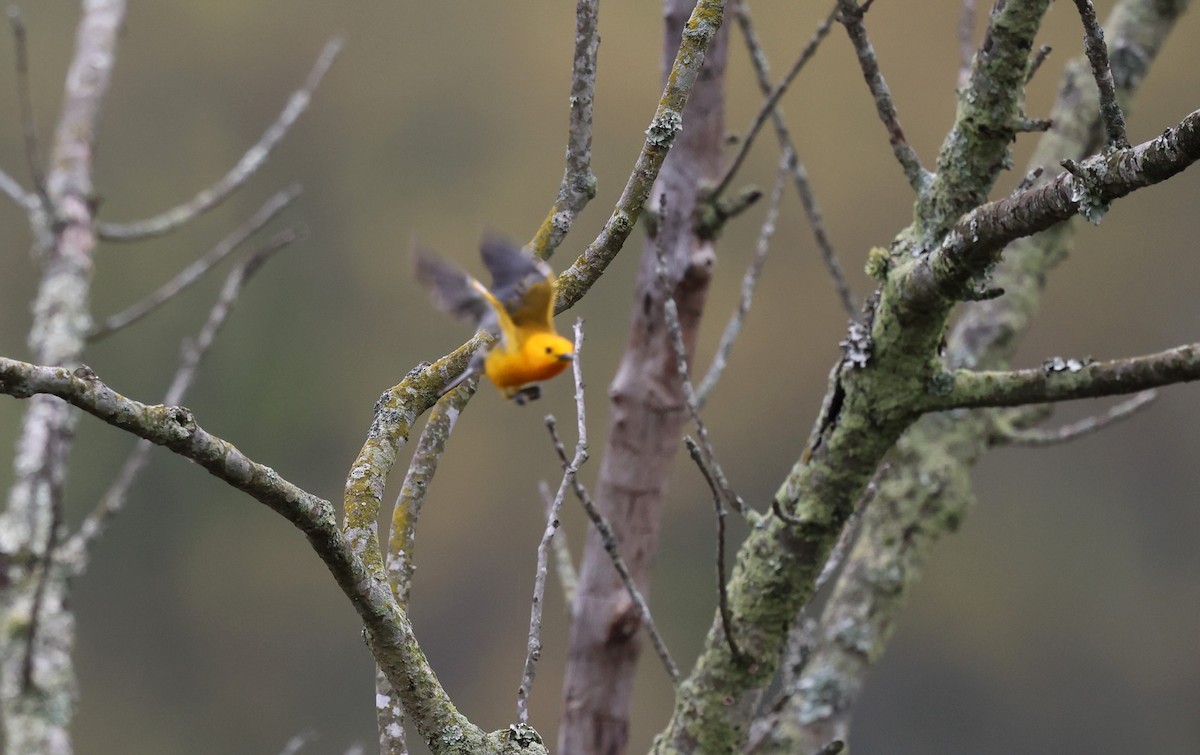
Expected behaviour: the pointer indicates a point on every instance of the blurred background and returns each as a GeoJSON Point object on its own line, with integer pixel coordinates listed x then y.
{"type": "Point", "coordinates": [1062, 617]}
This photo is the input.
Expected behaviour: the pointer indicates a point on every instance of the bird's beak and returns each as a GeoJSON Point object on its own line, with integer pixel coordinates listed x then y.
{"type": "Point", "coordinates": [566, 357]}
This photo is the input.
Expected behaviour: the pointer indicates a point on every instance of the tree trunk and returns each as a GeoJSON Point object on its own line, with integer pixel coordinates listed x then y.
{"type": "Point", "coordinates": [645, 422]}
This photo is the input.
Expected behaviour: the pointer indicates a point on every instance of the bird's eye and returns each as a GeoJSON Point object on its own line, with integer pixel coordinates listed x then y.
{"type": "Point", "coordinates": [549, 350]}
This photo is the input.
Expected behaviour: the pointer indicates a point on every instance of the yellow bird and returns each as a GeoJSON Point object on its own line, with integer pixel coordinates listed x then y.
{"type": "Point", "coordinates": [518, 309]}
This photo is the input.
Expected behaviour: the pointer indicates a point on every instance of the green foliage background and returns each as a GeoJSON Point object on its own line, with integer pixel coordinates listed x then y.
{"type": "Point", "coordinates": [1063, 616]}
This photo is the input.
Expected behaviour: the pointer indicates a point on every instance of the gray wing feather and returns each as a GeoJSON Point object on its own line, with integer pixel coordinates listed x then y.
{"type": "Point", "coordinates": [452, 289]}
{"type": "Point", "coordinates": [513, 269]}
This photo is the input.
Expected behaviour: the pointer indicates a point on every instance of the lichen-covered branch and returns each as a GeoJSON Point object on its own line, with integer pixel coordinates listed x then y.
{"type": "Point", "coordinates": [700, 30]}
{"type": "Point", "coordinates": [578, 183]}
{"type": "Point", "coordinates": [876, 393]}
{"type": "Point", "coordinates": [977, 240]}
{"type": "Point", "coordinates": [989, 107]}
{"type": "Point", "coordinates": [928, 490]}
{"type": "Point", "coordinates": [388, 631]}
{"type": "Point", "coordinates": [1064, 380]}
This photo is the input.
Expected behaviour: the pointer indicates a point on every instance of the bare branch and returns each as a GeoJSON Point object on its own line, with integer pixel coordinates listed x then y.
{"type": "Point", "coordinates": [701, 29]}
{"type": "Point", "coordinates": [75, 550]}
{"type": "Point", "coordinates": [13, 189]}
{"type": "Point", "coordinates": [40, 684]}
{"type": "Point", "coordinates": [604, 529]}
{"type": "Point", "coordinates": [808, 199]}
{"type": "Point", "coordinates": [771, 103]}
{"type": "Point", "coordinates": [1097, 55]}
{"type": "Point", "coordinates": [1035, 63]}
{"type": "Point", "coordinates": [296, 743]}
{"type": "Point", "coordinates": [850, 14]}
{"type": "Point", "coordinates": [241, 172]}
{"type": "Point", "coordinates": [193, 272]}
{"type": "Point", "coordinates": [563, 563]}
{"type": "Point", "coordinates": [749, 281]}
{"type": "Point", "coordinates": [966, 45]}
{"type": "Point", "coordinates": [671, 315]}
{"type": "Point", "coordinates": [1038, 437]}
{"type": "Point", "coordinates": [25, 101]}
{"type": "Point", "coordinates": [534, 645]}
{"type": "Point", "coordinates": [579, 183]}
{"type": "Point", "coordinates": [722, 593]}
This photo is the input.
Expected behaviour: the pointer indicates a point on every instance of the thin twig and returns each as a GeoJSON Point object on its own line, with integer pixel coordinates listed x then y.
{"type": "Point", "coordinates": [850, 14]}
{"type": "Point", "coordinates": [808, 200]}
{"type": "Point", "coordinates": [25, 103]}
{"type": "Point", "coordinates": [966, 44]}
{"type": "Point", "coordinates": [849, 530]}
{"type": "Point", "coordinates": [193, 272]}
{"type": "Point", "coordinates": [734, 327]}
{"type": "Point", "coordinates": [722, 593]}
{"type": "Point", "coordinates": [13, 189]}
{"type": "Point", "coordinates": [1097, 55]}
{"type": "Point", "coordinates": [610, 547]}
{"type": "Point", "coordinates": [192, 353]}
{"type": "Point", "coordinates": [671, 315]}
{"type": "Point", "coordinates": [578, 183]}
{"type": "Point", "coordinates": [1038, 437]}
{"type": "Point", "coordinates": [564, 564]}
{"type": "Point", "coordinates": [240, 173]}
{"type": "Point", "coordinates": [543, 551]}
{"type": "Point", "coordinates": [770, 103]}
{"type": "Point", "coordinates": [294, 744]}
{"type": "Point", "coordinates": [1036, 61]}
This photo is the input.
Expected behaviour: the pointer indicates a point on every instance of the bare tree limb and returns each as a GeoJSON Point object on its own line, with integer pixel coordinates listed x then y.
{"type": "Point", "coordinates": [989, 113]}
{"type": "Point", "coordinates": [564, 565]}
{"type": "Point", "coordinates": [37, 693]}
{"type": "Point", "coordinates": [749, 281]}
{"type": "Point", "coordinates": [647, 413]}
{"type": "Point", "coordinates": [929, 490]}
{"type": "Point", "coordinates": [534, 646]}
{"type": "Point", "coordinates": [799, 175]}
{"type": "Point", "coordinates": [1035, 63]}
{"type": "Point", "coordinates": [771, 103]}
{"type": "Point", "coordinates": [10, 186]}
{"type": "Point", "coordinates": [75, 550]}
{"type": "Point", "coordinates": [966, 46]}
{"type": "Point", "coordinates": [1097, 55]}
{"type": "Point", "coordinates": [722, 593]}
{"type": "Point", "coordinates": [850, 14]}
{"type": "Point", "coordinates": [184, 279]}
{"type": "Point", "coordinates": [609, 539]}
{"type": "Point", "coordinates": [701, 29]}
{"type": "Point", "coordinates": [1035, 437]}
{"type": "Point", "coordinates": [579, 183]}
{"type": "Point", "coordinates": [246, 167]}
{"type": "Point", "coordinates": [29, 129]}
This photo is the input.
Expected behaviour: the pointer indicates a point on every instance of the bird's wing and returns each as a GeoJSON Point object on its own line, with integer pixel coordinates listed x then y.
{"type": "Point", "coordinates": [454, 290]}
{"type": "Point", "coordinates": [521, 282]}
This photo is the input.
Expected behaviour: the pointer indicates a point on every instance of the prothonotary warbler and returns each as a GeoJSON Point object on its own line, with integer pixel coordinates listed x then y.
{"type": "Point", "coordinates": [518, 309]}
